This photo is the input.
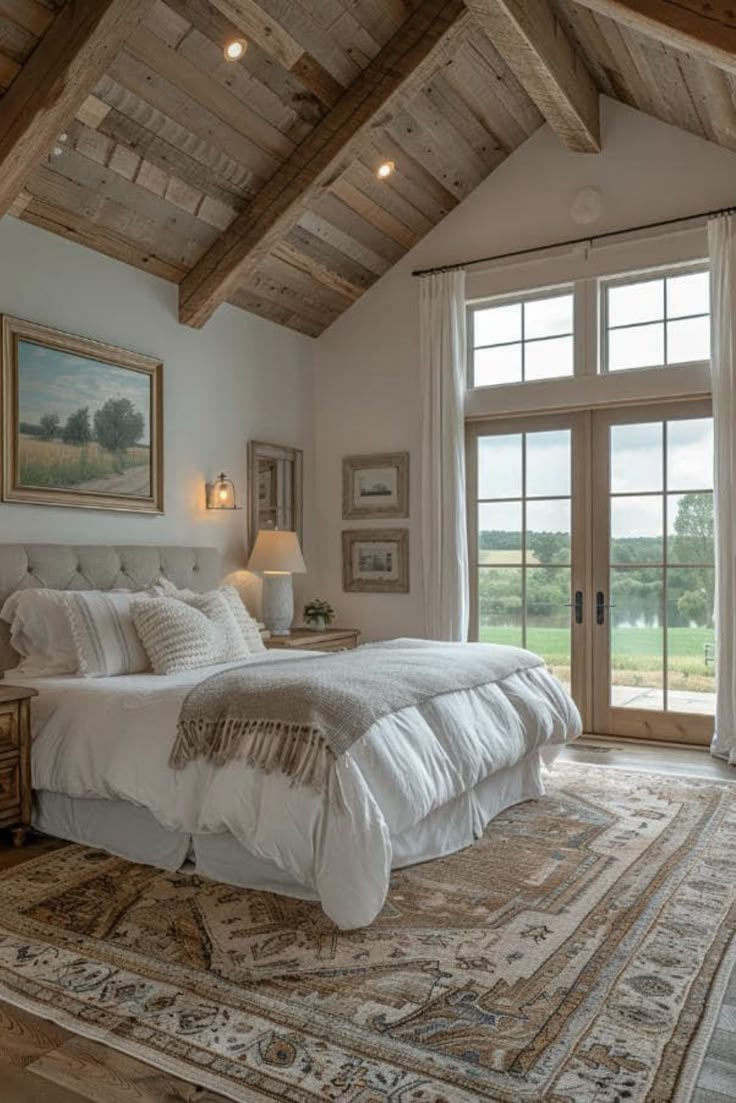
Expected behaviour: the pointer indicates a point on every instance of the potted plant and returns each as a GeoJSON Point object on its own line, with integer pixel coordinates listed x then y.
{"type": "Point", "coordinates": [318, 614]}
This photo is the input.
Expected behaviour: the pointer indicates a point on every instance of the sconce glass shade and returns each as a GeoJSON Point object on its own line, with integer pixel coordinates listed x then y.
{"type": "Point", "coordinates": [221, 493]}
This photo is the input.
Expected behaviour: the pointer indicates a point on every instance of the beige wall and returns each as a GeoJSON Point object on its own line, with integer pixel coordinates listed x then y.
{"type": "Point", "coordinates": [239, 377]}
{"type": "Point", "coordinates": [367, 369]}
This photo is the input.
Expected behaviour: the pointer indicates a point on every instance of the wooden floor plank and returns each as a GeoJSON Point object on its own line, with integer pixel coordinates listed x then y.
{"type": "Point", "coordinates": [19, 1086]}
{"type": "Point", "coordinates": [103, 1075]}
{"type": "Point", "coordinates": [24, 1038]}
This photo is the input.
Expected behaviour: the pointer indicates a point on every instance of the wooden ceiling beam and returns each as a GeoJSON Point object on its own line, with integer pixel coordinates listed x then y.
{"type": "Point", "coordinates": [278, 44]}
{"type": "Point", "coordinates": [706, 31]}
{"type": "Point", "coordinates": [530, 39]}
{"type": "Point", "coordinates": [381, 90]}
{"type": "Point", "coordinates": [56, 80]}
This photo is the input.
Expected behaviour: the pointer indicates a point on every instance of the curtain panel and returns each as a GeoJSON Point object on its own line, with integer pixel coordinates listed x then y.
{"type": "Point", "coordinates": [442, 344]}
{"type": "Point", "coordinates": [722, 250]}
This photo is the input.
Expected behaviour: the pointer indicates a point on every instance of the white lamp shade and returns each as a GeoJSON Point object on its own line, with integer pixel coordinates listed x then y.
{"type": "Point", "coordinates": [277, 550]}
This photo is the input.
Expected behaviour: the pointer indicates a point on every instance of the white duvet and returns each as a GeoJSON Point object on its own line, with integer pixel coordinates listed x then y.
{"type": "Point", "coordinates": [111, 738]}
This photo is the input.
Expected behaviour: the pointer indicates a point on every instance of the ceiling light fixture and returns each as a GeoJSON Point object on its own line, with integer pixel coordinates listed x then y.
{"type": "Point", "coordinates": [234, 49]}
{"type": "Point", "coordinates": [385, 170]}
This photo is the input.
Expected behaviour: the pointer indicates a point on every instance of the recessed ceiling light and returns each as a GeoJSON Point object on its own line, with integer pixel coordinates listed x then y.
{"type": "Point", "coordinates": [235, 49]}
{"type": "Point", "coordinates": [385, 170]}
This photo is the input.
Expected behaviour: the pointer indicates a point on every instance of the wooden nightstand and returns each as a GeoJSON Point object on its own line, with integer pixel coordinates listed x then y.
{"type": "Point", "coordinates": [332, 639]}
{"type": "Point", "coordinates": [15, 760]}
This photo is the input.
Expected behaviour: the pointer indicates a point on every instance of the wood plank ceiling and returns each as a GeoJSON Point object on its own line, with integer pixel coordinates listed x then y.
{"type": "Point", "coordinates": [255, 181]}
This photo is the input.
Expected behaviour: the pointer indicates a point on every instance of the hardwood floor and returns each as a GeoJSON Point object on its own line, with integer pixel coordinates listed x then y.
{"type": "Point", "coordinates": [42, 1063]}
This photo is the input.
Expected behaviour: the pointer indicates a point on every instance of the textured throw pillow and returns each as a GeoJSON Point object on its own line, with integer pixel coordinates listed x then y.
{"type": "Point", "coordinates": [40, 632]}
{"type": "Point", "coordinates": [179, 635]}
{"type": "Point", "coordinates": [249, 629]}
{"type": "Point", "coordinates": [104, 635]}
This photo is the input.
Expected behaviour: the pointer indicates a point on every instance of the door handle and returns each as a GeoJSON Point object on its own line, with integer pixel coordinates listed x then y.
{"type": "Point", "coordinates": [600, 607]}
{"type": "Point", "coordinates": [577, 605]}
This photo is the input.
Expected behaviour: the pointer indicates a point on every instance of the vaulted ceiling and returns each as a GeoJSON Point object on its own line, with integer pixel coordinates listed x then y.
{"type": "Point", "coordinates": [254, 181]}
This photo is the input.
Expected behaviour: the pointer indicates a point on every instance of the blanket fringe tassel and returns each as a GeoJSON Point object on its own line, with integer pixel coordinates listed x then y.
{"type": "Point", "coordinates": [297, 750]}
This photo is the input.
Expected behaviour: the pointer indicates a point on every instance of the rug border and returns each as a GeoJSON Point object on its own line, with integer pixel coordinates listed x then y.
{"type": "Point", "coordinates": [693, 1063]}
{"type": "Point", "coordinates": [171, 1065]}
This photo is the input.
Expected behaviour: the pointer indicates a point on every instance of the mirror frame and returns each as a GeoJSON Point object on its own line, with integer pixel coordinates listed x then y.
{"type": "Point", "coordinates": [258, 449]}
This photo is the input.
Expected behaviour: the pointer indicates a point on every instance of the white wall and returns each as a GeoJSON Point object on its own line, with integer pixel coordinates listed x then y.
{"type": "Point", "coordinates": [240, 377]}
{"type": "Point", "coordinates": [367, 370]}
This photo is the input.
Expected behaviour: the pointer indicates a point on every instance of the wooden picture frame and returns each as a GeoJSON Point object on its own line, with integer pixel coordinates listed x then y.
{"type": "Point", "coordinates": [375, 561]}
{"type": "Point", "coordinates": [82, 422]}
{"type": "Point", "coordinates": [375, 487]}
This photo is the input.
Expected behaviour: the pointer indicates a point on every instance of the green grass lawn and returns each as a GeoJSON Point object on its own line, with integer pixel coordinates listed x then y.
{"type": "Point", "coordinates": [636, 653]}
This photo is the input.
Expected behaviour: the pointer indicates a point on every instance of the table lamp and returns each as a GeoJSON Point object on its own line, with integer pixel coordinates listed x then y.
{"type": "Point", "coordinates": [276, 553]}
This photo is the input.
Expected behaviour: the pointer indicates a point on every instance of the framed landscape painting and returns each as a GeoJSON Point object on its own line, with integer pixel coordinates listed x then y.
{"type": "Point", "coordinates": [375, 486]}
{"type": "Point", "coordinates": [82, 422]}
{"type": "Point", "coordinates": [375, 561]}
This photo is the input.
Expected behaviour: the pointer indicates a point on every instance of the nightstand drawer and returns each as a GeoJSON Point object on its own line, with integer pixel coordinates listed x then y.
{"type": "Point", "coordinates": [9, 734]}
{"type": "Point", "coordinates": [338, 645]}
{"type": "Point", "coordinates": [10, 788]}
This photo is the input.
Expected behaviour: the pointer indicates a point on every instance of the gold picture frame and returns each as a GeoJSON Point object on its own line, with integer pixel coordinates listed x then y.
{"type": "Point", "coordinates": [82, 422]}
{"type": "Point", "coordinates": [376, 486]}
{"type": "Point", "coordinates": [375, 561]}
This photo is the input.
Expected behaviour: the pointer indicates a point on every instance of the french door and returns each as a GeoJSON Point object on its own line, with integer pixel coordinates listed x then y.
{"type": "Point", "coordinates": [591, 543]}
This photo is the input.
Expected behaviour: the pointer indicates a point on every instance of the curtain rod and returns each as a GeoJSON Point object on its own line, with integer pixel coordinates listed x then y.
{"type": "Point", "coordinates": [572, 241]}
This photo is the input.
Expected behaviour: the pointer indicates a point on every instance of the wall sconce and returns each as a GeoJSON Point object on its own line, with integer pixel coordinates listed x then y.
{"type": "Point", "coordinates": [221, 493]}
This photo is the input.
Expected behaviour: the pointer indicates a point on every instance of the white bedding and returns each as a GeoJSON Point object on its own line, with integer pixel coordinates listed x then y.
{"type": "Point", "coordinates": [111, 738]}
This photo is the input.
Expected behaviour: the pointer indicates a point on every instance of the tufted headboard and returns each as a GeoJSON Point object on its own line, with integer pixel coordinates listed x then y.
{"type": "Point", "coordinates": [99, 567]}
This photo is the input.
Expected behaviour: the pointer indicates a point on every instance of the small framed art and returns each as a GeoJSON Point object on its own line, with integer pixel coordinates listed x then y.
{"type": "Point", "coordinates": [374, 487]}
{"type": "Point", "coordinates": [375, 561]}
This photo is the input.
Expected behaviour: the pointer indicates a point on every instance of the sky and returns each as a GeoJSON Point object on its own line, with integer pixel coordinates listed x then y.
{"type": "Point", "coordinates": [636, 465]}
{"type": "Point", "coordinates": [57, 382]}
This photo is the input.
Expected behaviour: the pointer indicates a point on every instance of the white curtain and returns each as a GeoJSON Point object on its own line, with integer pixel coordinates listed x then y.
{"type": "Point", "coordinates": [444, 531]}
{"type": "Point", "coordinates": [722, 248]}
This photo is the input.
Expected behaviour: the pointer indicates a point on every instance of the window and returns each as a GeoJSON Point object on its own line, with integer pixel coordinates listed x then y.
{"type": "Point", "coordinates": [653, 322]}
{"type": "Point", "coordinates": [521, 340]}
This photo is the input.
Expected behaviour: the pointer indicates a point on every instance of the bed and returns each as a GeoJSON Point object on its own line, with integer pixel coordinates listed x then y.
{"type": "Point", "coordinates": [422, 782]}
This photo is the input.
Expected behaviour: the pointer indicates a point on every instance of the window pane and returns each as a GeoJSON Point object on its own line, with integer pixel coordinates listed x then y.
{"type": "Point", "coordinates": [500, 605]}
{"type": "Point", "coordinates": [499, 466]}
{"type": "Point", "coordinates": [548, 531]}
{"type": "Point", "coordinates": [548, 463]}
{"type": "Point", "coordinates": [688, 294]}
{"type": "Point", "coordinates": [495, 325]}
{"type": "Point", "coordinates": [548, 617]}
{"type": "Point", "coordinates": [691, 642]}
{"type": "Point", "coordinates": [637, 530]}
{"type": "Point", "coordinates": [548, 317]}
{"type": "Point", "coordinates": [636, 302]}
{"type": "Point", "coordinates": [636, 457]}
{"type": "Point", "coordinates": [548, 359]}
{"type": "Point", "coordinates": [690, 528]}
{"type": "Point", "coordinates": [497, 365]}
{"type": "Point", "coordinates": [690, 454]}
{"type": "Point", "coordinates": [637, 638]}
{"type": "Point", "coordinates": [688, 340]}
{"type": "Point", "coordinates": [637, 347]}
{"type": "Point", "coordinates": [499, 533]}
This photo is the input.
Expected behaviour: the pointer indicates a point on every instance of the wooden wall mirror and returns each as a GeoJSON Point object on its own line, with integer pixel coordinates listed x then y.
{"type": "Point", "coordinates": [275, 488]}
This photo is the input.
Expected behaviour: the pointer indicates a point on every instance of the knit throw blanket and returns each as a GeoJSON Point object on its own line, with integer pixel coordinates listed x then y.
{"type": "Point", "coordinates": [299, 716]}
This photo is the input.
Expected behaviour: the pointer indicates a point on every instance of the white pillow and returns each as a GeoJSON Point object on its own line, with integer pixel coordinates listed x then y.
{"type": "Point", "coordinates": [104, 635]}
{"type": "Point", "coordinates": [40, 632]}
{"type": "Point", "coordinates": [179, 635]}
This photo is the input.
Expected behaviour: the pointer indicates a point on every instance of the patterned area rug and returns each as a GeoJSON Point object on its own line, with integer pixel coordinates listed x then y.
{"type": "Point", "coordinates": [576, 954]}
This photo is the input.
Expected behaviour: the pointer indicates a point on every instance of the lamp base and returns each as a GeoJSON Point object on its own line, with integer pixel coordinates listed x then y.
{"type": "Point", "coordinates": [277, 609]}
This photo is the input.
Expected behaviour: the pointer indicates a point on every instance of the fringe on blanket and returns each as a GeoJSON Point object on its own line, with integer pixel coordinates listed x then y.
{"type": "Point", "coordinates": [297, 750]}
